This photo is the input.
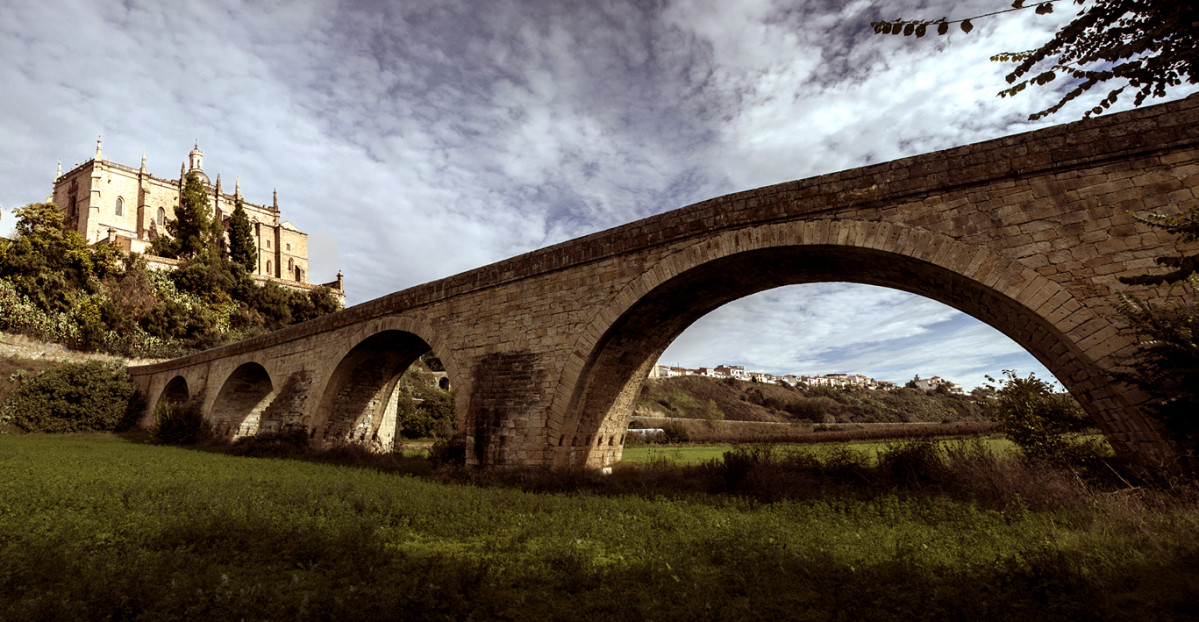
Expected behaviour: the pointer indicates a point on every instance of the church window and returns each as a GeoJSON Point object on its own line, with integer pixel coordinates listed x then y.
{"type": "Point", "coordinates": [299, 274]}
{"type": "Point", "coordinates": [290, 265]}
{"type": "Point", "coordinates": [268, 243]}
{"type": "Point", "coordinates": [162, 214]}
{"type": "Point", "coordinates": [289, 247]}
{"type": "Point", "coordinates": [119, 210]}
{"type": "Point", "coordinates": [268, 266]}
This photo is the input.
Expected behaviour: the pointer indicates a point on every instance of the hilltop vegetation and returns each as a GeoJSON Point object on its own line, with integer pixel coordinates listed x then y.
{"type": "Point", "coordinates": [55, 287]}
{"type": "Point", "coordinates": [699, 397]}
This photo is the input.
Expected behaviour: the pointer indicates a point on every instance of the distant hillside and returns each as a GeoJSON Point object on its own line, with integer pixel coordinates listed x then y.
{"type": "Point", "coordinates": [698, 397]}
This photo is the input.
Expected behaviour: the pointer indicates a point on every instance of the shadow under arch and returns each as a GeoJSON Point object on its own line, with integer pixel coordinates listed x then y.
{"type": "Point", "coordinates": [654, 311]}
{"type": "Point", "coordinates": [175, 391]}
{"type": "Point", "coordinates": [358, 402]}
{"type": "Point", "coordinates": [239, 404]}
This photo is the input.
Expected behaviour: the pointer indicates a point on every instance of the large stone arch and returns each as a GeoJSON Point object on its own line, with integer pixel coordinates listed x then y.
{"type": "Point", "coordinates": [611, 358]}
{"type": "Point", "coordinates": [243, 396]}
{"type": "Point", "coordinates": [357, 396]}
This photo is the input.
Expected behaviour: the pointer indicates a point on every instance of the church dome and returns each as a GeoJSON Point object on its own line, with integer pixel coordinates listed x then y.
{"type": "Point", "coordinates": [195, 161]}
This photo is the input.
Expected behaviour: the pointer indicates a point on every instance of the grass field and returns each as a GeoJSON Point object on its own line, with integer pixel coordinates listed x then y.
{"type": "Point", "coordinates": [98, 527]}
{"type": "Point", "coordinates": [698, 453]}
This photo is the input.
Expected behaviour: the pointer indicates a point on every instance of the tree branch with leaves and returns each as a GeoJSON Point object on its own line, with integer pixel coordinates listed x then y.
{"type": "Point", "coordinates": [1147, 45]}
{"type": "Point", "coordinates": [1166, 366]}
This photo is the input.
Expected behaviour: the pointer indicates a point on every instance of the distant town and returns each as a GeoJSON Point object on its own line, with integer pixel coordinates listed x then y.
{"type": "Point", "coordinates": [827, 380]}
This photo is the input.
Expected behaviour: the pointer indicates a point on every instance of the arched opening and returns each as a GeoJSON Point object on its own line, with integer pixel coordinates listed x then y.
{"type": "Point", "coordinates": [376, 395]}
{"type": "Point", "coordinates": [240, 402]}
{"type": "Point", "coordinates": [844, 334]}
{"type": "Point", "coordinates": [175, 391]}
{"type": "Point", "coordinates": [162, 214]}
{"type": "Point", "coordinates": [618, 365]}
{"type": "Point", "coordinates": [119, 208]}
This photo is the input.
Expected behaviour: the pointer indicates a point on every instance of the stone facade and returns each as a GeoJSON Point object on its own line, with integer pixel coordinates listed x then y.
{"type": "Point", "coordinates": [547, 351]}
{"type": "Point", "coordinates": [104, 200]}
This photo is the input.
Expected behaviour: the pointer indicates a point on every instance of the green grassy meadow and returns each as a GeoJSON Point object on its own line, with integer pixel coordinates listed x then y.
{"type": "Point", "coordinates": [99, 527]}
{"type": "Point", "coordinates": [702, 452]}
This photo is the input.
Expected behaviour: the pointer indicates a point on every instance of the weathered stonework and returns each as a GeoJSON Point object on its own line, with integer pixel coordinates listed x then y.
{"type": "Point", "coordinates": [104, 200]}
{"type": "Point", "coordinates": [547, 351]}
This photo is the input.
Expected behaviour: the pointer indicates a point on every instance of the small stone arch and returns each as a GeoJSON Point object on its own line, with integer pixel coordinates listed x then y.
{"type": "Point", "coordinates": [119, 208]}
{"type": "Point", "coordinates": [238, 406]}
{"type": "Point", "coordinates": [358, 401]}
{"type": "Point", "coordinates": [176, 391]}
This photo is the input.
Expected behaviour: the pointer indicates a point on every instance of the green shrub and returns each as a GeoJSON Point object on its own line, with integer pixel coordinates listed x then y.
{"type": "Point", "coordinates": [76, 397]}
{"type": "Point", "coordinates": [177, 423]}
{"type": "Point", "coordinates": [434, 417]}
{"type": "Point", "coordinates": [912, 464]}
{"type": "Point", "coordinates": [1035, 418]}
{"type": "Point", "coordinates": [448, 451]}
{"type": "Point", "coordinates": [287, 443]}
{"type": "Point", "coordinates": [675, 432]}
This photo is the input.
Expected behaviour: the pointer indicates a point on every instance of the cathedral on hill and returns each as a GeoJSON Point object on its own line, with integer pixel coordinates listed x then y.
{"type": "Point", "coordinates": [104, 200]}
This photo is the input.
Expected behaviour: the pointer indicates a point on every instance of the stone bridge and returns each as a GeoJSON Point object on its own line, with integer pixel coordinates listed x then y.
{"type": "Point", "coordinates": [547, 351]}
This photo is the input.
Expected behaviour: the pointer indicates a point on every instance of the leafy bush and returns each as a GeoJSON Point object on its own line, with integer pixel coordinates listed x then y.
{"type": "Point", "coordinates": [435, 416]}
{"type": "Point", "coordinates": [1035, 418]}
{"type": "Point", "coordinates": [675, 432]}
{"type": "Point", "coordinates": [177, 423]}
{"type": "Point", "coordinates": [287, 443]}
{"type": "Point", "coordinates": [448, 451]}
{"type": "Point", "coordinates": [1166, 366]}
{"type": "Point", "coordinates": [424, 410]}
{"type": "Point", "coordinates": [76, 397]}
{"type": "Point", "coordinates": [912, 464]}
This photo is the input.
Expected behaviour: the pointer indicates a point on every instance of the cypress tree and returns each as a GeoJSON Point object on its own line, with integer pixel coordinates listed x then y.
{"type": "Point", "coordinates": [241, 239]}
{"type": "Point", "coordinates": [192, 228]}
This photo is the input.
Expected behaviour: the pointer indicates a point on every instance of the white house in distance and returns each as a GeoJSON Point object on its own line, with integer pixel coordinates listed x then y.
{"type": "Point", "coordinates": [930, 384]}
{"type": "Point", "coordinates": [738, 372]}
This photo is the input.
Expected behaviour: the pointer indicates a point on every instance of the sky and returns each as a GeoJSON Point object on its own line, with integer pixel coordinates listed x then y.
{"type": "Point", "coordinates": [415, 140]}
